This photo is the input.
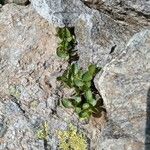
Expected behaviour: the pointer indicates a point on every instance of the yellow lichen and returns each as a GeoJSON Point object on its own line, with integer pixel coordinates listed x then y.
{"type": "Point", "coordinates": [43, 133]}
{"type": "Point", "coordinates": [72, 140]}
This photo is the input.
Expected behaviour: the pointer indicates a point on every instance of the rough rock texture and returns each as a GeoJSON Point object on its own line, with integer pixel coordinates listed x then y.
{"type": "Point", "coordinates": [113, 34]}
{"type": "Point", "coordinates": [102, 34]}
{"type": "Point", "coordinates": [122, 10]}
{"type": "Point", "coordinates": [28, 87]}
{"type": "Point", "coordinates": [110, 33]}
{"type": "Point", "coordinates": [124, 85]}
{"type": "Point", "coordinates": [18, 2]}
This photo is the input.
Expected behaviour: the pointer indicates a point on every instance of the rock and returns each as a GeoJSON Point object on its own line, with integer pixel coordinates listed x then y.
{"type": "Point", "coordinates": [29, 91]}
{"type": "Point", "coordinates": [103, 32]}
{"type": "Point", "coordinates": [123, 10]}
{"type": "Point", "coordinates": [124, 85]}
{"type": "Point", "coordinates": [19, 134]}
{"type": "Point", "coordinates": [18, 2]}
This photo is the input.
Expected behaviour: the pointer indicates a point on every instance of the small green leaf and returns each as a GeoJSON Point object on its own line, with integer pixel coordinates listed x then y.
{"type": "Point", "coordinates": [69, 39]}
{"type": "Point", "coordinates": [85, 106]}
{"type": "Point", "coordinates": [87, 76]}
{"type": "Point", "coordinates": [85, 88]}
{"type": "Point", "coordinates": [78, 99]}
{"type": "Point", "coordinates": [70, 83]}
{"type": "Point", "coordinates": [66, 44]}
{"type": "Point", "coordinates": [88, 84]}
{"type": "Point", "coordinates": [67, 32]}
{"type": "Point", "coordinates": [89, 95]}
{"type": "Point", "coordinates": [80, 73]}
{"type": "Point", "coordinates": [62, 54]}
{"type": "Point", "coordinates": [78, 82]}
{"type": "Point", "coordinates": [77, 110]}
{"type": "Point", "coordinates": [66, 103]}
{"type": "Point", "coordinates": [74, 69]}
{"type": "Point", "coordinates": [61, 78]}
{"type": "Point", "coordinates": [92, 69]}
{"type": "Point", "coordinates": [61, 32]}
{"type": "Point", "coordinates": [93, 102]}
{"type": "Point", "coordinates": [84, 115]}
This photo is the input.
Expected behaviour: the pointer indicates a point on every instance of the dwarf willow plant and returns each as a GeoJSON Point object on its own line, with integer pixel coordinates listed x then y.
{"type": "Point", "coordinates": [67, 44]}
{"type": "Point", "coordinates": [83, 99]}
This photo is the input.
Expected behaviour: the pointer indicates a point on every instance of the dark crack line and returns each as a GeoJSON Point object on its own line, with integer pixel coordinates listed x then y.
{"type": "Point", "coordinates": [19, 106]}
{"type": "Point", "coordinates": [45, 144]}
{"type": "Point", "coordinates": [112, 49]}
{"type": "Point", "coordinates": [139, 13]}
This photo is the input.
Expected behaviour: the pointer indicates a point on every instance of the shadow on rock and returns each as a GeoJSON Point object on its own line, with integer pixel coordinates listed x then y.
{"type": "Point", "coordinates": [147, 130]}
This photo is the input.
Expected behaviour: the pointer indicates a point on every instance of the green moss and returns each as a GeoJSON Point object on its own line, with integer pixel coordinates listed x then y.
{"type": "Point", "coordinates": [72, 140]}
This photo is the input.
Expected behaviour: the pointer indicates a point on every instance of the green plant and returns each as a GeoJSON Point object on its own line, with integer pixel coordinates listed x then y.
{"type": "Point", "coordinates": [67, 43]}
{"type": "Point", "coordinates": [83, 99]}
{"type": "Point", "coordinates": [72, 140]}
{"type": "Point", "coordinates": [2, 2]}
{"type": "Point", "coordinates": [43, 133]}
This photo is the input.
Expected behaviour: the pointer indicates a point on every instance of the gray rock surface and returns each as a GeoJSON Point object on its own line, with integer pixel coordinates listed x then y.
{"type": "Point", "coordinates": [28, 88]}
{"type": "Point", "coordinates": [18, 2]}
{"type": "Point", "coordinates": [109, 33]}
{"type": "Point", "coordinates": [135, 8]}
{"type": "Point", "coordinates": [102, 31]}
{"type": "Point", "coordinates": [124, 85]}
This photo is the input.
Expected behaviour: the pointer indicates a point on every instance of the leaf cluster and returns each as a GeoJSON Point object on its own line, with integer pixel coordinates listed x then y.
{"type": "Point", "coordinates": [83, 99]}
{"type": "Point", "coordinates": [2, 2]}
{"type": "Point", "coordinates": [67, 43]}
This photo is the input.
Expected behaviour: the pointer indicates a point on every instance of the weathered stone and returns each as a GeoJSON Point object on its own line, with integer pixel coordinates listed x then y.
{"type": "Point", "coordinates": [59, 12]}
{"type": "Point", "coordinates": [124, 85]}
{"type": "Point", "coordinates": [18, 2]}
{"type": "Point", "coordinates": [29, 67]}
{"type": "Point", "coordinates": [122, 10]}
{"type": "Point", "coordinates": [101, 35]}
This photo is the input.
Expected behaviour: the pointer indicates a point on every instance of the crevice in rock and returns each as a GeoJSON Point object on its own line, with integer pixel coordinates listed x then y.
{"type": "Point", "coordinates": [3, 129]}
{"type": "Point", "coordinates": [139, 13]}
{"type": "Point", "coordinates": [14, 100]}
{"type": "Point", "coordinates": [127, 15]}
{"type": "Point", "coordinates": [2, 2]}
{"type": "Point", "coordinates": [27, 3]}
{"type": "Point", "coordinates": [112, 49]}
{"type": "Point", "coordinates": [114, 131]}
{"type": "Point", "coordinates": [45, 144]}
